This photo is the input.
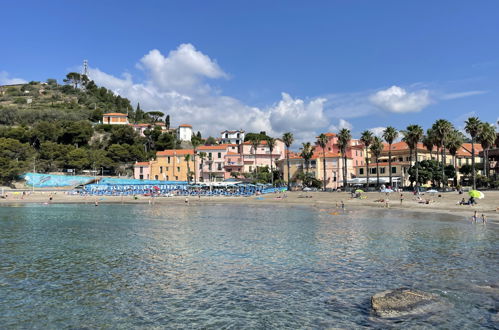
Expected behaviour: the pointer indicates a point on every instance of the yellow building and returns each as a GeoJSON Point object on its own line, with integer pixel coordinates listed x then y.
{"type": "Point", "coordinates": [170, 165]}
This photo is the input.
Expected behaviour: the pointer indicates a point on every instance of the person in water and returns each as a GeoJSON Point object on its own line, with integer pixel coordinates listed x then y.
{"type": "Point", "coordinates": [484, 218]}
{"type": "Point", "coordinates": [473, 218]}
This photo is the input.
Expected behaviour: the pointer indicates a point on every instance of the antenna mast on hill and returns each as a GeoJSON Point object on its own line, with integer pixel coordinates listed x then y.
{"type": "Point", "coordinates": [85, 68]}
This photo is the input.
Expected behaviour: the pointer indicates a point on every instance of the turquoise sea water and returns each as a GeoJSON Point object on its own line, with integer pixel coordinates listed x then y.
{"type": "Point", "coordinates": [235, 266]}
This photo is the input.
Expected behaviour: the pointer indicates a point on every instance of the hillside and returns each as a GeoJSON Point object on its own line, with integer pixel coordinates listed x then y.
{"type": "Point", "coordinates": [26, 104]}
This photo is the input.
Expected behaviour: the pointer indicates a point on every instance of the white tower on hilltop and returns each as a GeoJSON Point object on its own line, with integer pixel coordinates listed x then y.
{"type": "Point", "coordinates": [85, 68]}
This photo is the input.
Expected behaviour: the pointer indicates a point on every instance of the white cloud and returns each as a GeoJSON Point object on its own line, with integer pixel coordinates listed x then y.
{"type": "Point", "coordinates": [342, 123]}
{"type": "Point", "coordinates": [175, 84]}
{"type": "Point", "coordinates": [452, 96]}
{"type": "Point", "coordinates": [377, 131]}
{"type": "Point", "coordinates": [398, 100]}
{"type": "Point", "coordinates": [6, 80]}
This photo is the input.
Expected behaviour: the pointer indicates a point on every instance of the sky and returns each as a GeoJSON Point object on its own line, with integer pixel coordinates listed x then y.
{"type": "Point", "coordinates": [276, 66]}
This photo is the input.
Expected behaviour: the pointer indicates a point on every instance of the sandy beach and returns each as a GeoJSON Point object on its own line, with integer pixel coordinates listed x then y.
{"type": "Point", "coordinates": [446, 203]}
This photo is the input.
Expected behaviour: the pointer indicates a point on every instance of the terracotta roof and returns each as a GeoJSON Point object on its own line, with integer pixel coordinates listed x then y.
{"type": "Point", "coordinates": [175, 152]}
{"type": "Point", "coordinates": [230, 153]}
{"type": "Point", "coordinates": [115, 114]}
{"type": "Point", "coordinates": [215, 147]}
{"type": "Point", "coordinates": [330, 134]}
{"type": "Point", "coordinates": [261, 142]}
{"type": "Point", "coordinates": [141, 164]}
{"type": "Point", "coordinates": [478, 147]}
{"type": "Point", "coordinates": [185, 125]}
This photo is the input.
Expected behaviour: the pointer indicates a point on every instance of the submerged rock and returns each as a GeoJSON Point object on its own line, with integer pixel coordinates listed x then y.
{"type": "Point", "coordinates": [404, 301]}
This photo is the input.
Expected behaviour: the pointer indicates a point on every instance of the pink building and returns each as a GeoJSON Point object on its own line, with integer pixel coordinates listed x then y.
{"type": "Point", "coordinates": [355, 149]}
{"type": "Point", "coordinates": [261, 156]}
{"type": "Point", "coordinates": [212, 167]}
{"type": "Point", "coordinates": [142, 170]}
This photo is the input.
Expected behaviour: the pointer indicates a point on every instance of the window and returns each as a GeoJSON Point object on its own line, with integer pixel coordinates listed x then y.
{"type": "Point", "coordinates": [394, 169]}
{"type": "Point", "coordinates": [161, 169]}
{"type": "Point", "coordinates": [166, 169]}
{"type": "Point", "coordinates": [209, 167]}
{"type": "Point", "coordinates": [219, 166]}
{"type": "Point", "coordinates": [200, 166]}
{"type": "Point", "coordinates": [401, 159]}
{"type": "Point", "coordinates": [356, 162]}
{"type": "Point", "coordinates": [459, 161]}
{"type": "Point", "coordinates": [251, 168]}
{"type": "Point", "coordinates": [382, 170]}
{"type": "Point", "coordinates": [168, 159]}
{"type": "Point", "coordinates": [361, 171]}
{"type": "Point", "coordinates": [141, 170]}
{"type": "Point", "coordinates": [176, 178]}
{"type": "Point", "coordinates": [334, 176]}
{"type": "Point", "coordinates": [156, 177]}
{"type": "Point", "coordinates": [167, 178]}
{"type": "Point", "coordinates": [141, 177]}
{"type": "Point", "coordinates": [356, 153]}
{"type": "Point", "coordinates": [372, 170]}
{"type": "Point", "coordinates": [219, 155]}
{"type": "Point", "coordinates": [178, 168]}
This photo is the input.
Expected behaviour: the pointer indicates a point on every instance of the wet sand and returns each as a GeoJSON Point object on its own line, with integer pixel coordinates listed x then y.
{"type": "Point", "coordinates": [447, 203]}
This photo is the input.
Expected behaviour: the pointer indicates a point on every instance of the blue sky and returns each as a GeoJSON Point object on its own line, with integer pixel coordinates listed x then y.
{"type": "Point", "coordinates": [270, 65]}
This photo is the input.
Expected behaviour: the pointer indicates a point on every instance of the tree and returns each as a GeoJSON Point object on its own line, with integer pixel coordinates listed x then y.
{"type": "Point", "coordinates": [322, 142]}
{"type": "Point", "coordinates": [367, 139]}
{"type": "Point", "coordinates": [211, 141]}
{"type": "Point", "coordinates": [139, 114]}
{"type": "Point", "coordinates": [195, 143]}
{"type": "Point", "coordinates": [261, 136]}
{"type": "Point", "coordinates": [454, 143]}
{"type": "Point", "coordinates": [255, 142]}
{"type": "Point", "coordinates": [14, 159]}
{"type": "Point", "coordinates": [166, 141]}
{"type": "Point", "coordinates": [271, 143]}
{"type": "Point", "coordinates": [428, 142]}
{"type": "Point", "coordinates": [288, 141]}
{"type": "Point", "coordinates": [78, 159]}
{"type": "Point", "coordinates": [443, 129]}
{"type": "Point", "coordinates": [307, 151]}
{"type": "Point", "coordinates": [74, 79]}
{"type": "Point", "coordinates": [429, 170]}
{"type": "Point", "coordinates": [187, 158]}
{"type": "Point", "coordinates": [376, 149]}
{"type": "Point", "coordinates": [77, 133]}
{"type": "Point", "coordinates": [123, 134]}
{"type": "Point", "coordinates": [202, 156]}
{"type": "Point", "coordinates": [390, 134]}
{"type": "Point", "coordinates": [472, 127]}
{"type": "Point", "coordinates": [412, 136]}
{"type": "Point", "coordinates": [344, 138]}
{"type": "Point", "coordinates": [167, 122]}
{"type": "Point", "coordinates": [486, 137]}
{"type": "Point", "coordinates": [155, 115]}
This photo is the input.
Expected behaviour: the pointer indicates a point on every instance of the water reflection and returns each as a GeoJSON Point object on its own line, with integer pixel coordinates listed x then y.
{"type": "Point", "coordinates": [236, 266]}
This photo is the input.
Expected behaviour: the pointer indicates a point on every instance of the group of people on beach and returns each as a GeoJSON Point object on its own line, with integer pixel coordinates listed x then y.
{"type": "Point", "coordinates": [474, 218]}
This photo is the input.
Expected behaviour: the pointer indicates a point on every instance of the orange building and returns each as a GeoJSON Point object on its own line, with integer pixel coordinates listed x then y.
{"type": "Point", "coordinates": [115, 118]}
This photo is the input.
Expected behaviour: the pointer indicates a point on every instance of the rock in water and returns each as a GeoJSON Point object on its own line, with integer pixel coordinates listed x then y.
{"type": "Point", "coordinates": [404, 301]}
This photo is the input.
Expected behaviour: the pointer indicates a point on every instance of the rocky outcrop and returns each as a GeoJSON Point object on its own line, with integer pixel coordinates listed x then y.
{"type": "Point", "coordinates": [403, 301]}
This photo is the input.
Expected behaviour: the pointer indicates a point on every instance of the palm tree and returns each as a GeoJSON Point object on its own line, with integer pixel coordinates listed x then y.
{"type": "Point", "coordinates": [288, 141]}
{"type": "Point", "coordinates": [307, 151]}
{"type": "Point", "coordinates": [487, 138]}
{"type": "Point", "coordinates": [428, 142]}
{"type": "Point", "coordinates": [195, 143]}
{"type": "Point", "coordinates": [367, 139]}
{"type": "Point", "coordinates": [187, 158]}
{"type": "Point", "coordinates": [322, 142]}
{"type": "Point", "coordinates": [376, 149]}
{"type": "Point", "coordinates": [202, 156]}
{"type": "Point", "coordinates": [412, 136]}
{"type": "Point", "coordinates": [442, 129]}
{"type": "Point", "coordinates": [390, 134]}
{"type": "Point", "coordinates": [454, 143]}
{"type": "Point", "coordinates": [271, 142]}
{"type": "Point", "coordinates": [472, 127]}
{"type": "Point", "coordinates": [344, 138]}
{"type": "Point", "coordinates": [255, 142]}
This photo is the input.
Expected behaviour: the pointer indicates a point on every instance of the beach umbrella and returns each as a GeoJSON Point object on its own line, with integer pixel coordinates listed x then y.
{"type": "Point", "coordinates": [476, 194]}
{"type": "Point", "coordinates": [359, 191]}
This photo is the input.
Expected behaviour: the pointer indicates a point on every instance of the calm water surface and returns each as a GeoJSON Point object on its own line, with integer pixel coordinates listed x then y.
{"type": "Point", "coordinates": [234, 266]}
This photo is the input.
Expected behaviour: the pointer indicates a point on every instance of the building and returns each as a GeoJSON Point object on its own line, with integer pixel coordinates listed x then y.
{"type": "Point", "coordinates": [401, 162]}
{"type": "Point", "coordinates": [232, 137]}
{"type": "Point", "coordinates": [184, 132]}
{"type": "Point", "coordinates": [141, 170]}
{"type": "Point", "coordinates": [171, 165]}
{"type": "Point", "coordinates": [262, 156]}
{"type": "Point", "coordinates": [115, 118]}
{"type": "Point", "coordinates": [140, 128]}
{"type": "Point", "coordinates": [212, 166]}
{"type": "Point", "coordinates": [334, 168]}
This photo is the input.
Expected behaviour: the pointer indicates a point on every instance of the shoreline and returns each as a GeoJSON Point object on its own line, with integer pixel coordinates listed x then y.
{"type": "Point", "coordinates": [445, 204]}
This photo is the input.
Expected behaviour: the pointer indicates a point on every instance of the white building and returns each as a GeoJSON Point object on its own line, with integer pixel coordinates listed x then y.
{"type": "Point", "coordinates": [232, 137]}
{"type": "Point", "coordinates": [184, 132]}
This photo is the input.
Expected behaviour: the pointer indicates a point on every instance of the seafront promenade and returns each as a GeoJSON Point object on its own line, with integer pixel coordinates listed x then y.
{"type": "Point", "coordinates": [327, 201]}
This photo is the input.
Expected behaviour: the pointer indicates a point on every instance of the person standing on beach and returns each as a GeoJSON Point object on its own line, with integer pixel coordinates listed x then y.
{"type": "Point", "coordinates": [401, 198]}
